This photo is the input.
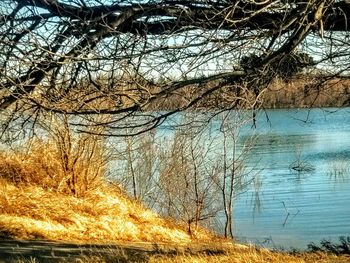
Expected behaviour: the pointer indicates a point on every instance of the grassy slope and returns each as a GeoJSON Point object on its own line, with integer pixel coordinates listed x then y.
{"type": "Point", "coordinates": [35, 201]}
{"type": "Point", "coordinates": [104, 215]}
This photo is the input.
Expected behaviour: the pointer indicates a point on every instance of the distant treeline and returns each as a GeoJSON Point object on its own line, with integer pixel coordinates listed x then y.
{"type": "Point", "coordinates": [302, 92]}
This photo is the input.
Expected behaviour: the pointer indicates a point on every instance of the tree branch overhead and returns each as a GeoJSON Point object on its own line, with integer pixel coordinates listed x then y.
{"type": "Point", "coordinates": [118, 55]}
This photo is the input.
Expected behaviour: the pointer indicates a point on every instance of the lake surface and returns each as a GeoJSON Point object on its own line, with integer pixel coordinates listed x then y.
{"type": "Point", "coordinates": [293, 208]}
{"type": "Point", "coordinates": [300, 163]}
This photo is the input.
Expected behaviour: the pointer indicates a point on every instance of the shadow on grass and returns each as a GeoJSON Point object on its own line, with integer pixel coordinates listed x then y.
{"type": "Point", "coordinates": [47, 251]}
{"type": "Point", "coordinates": [327, 246]}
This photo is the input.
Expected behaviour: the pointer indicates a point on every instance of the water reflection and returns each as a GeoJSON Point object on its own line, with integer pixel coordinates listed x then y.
{"type": "Point", "coordinates": [256, 200]}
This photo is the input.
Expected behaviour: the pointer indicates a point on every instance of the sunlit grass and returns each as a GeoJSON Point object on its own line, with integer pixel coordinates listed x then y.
{"type": "Point", "coordinates": [103, 215]}
{"type": "Point", "coordinates": [252, 257]}
{"type": "Point", "coordinates": [36, 204]}
{"type": "Point", "coordinates": [229, 255]}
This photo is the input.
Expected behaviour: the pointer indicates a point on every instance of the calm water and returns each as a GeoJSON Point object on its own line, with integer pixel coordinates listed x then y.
{"type": "Point", "coordinates": [292, 209]}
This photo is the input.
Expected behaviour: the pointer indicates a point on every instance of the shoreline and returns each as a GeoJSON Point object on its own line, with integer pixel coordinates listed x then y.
{"type": "Point", "coordinates": [20, 251]}
{"type": "Point", "coordinates": [12, 250]}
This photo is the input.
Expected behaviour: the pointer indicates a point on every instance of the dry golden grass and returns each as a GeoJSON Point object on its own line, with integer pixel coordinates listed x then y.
{"type": "Point", "coordinates": [35, 202]}
{"type": "Point", "coordinates": [253, 257]}
{"type": "Point", "coordinates": [235, 254]}
{"type": "Point", "coordinates": [53, 165]}
{"type": "Point", "coordinates": [104, 215]}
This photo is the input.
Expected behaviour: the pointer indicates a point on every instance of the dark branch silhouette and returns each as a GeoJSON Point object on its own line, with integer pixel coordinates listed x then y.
{"type": "Point", "coordinates": [126, 57]}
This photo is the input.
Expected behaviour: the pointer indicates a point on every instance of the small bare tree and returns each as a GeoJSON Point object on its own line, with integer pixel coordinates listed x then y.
{"type": "Point", "coordinates": [186, 180]}
{"type": "Point", "coordinates": [82, 157]}
{"type": "Point", "coordinates": [136, 165]}
{"type": "Point", "coordinates": [232, 164]}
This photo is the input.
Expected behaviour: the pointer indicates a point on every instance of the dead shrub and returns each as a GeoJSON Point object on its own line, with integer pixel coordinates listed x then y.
{"type": "Point", "coordinates": [64, 161]}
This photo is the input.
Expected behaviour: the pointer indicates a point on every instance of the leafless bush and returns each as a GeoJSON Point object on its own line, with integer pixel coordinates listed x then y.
{"type": "Point", "coordinates": [188, 174]}
{"type": "Point", "coordinates": [61, 160]}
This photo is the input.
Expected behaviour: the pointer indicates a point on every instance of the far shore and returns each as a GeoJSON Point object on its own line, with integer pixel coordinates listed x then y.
{"type": "Point", "coordinates": [303, 92]}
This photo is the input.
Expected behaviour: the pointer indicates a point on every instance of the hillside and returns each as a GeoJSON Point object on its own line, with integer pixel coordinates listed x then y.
{"type": "Point", "coordinates": [36, 203]}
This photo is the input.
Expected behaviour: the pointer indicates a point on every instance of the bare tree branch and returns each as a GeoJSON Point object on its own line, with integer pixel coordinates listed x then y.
{"type": "Point", "coordinates": [118, 57]}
